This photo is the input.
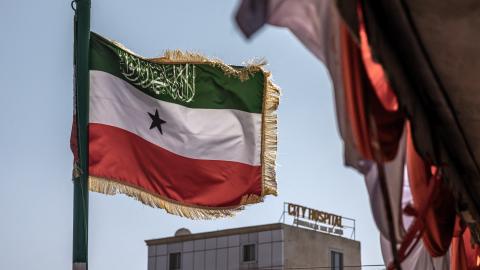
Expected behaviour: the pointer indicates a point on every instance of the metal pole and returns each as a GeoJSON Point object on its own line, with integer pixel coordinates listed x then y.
{"type": "Point", "coordinates": [354, 236]}
{"type": "Point", "coordinates": [80, 184]}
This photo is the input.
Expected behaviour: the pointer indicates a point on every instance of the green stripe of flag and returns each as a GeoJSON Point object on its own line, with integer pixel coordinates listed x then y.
{"type": "Point", "coordinates": [212, 88]}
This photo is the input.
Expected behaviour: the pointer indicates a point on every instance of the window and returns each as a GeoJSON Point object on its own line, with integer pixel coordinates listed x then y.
{"type": "Point", "coordinates": [249, 253]}
{"type": "Point", "coordinates": [336, 260]}
{"type": "Point", "coordinates": [175, 261]}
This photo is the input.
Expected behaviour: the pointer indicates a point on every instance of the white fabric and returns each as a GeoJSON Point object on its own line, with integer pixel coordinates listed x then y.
{"type": "Point", "coordinates": [419, 258]}
{"type": "Point", "coordinates": [394, 174]}
{"type": "Point", "coordinates": [314, 22]}
{"type": "Point", "coordinates": [212, 134]}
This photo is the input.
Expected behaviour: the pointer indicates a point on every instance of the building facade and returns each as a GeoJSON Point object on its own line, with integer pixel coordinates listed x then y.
{"type": "Point", "coordinates": [268, 247]}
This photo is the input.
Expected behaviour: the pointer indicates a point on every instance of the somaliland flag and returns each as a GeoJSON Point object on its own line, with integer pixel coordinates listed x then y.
{"type": "Point", "coordinates": [181, 132]}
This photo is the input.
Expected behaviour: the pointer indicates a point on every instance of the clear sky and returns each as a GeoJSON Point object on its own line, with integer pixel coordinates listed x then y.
{"type": "Point", "coordinates": [36, 193]}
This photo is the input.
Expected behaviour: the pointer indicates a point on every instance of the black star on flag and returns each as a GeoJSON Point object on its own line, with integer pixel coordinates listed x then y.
{"type": "Point", "coordinates": [156, 121]}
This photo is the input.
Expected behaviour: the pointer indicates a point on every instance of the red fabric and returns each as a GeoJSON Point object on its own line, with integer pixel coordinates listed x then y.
{"type": "Point", "coordinates": [433, 208]}
{"type": "Point", "coordinates": [464, 255]}
{"type": "Point", "coordinates": [364, 108]}
{"type": "Point", "coordinates": [417, 227]}
{"type": "Point", "coordinates": [353, 87]}
{"type": "Point", "coordinates": [472, 252]}
{"type": "Point", "coordinates": [458, 259]}
{"type": "Point", "coordinates": [375, 71]}
{"type": "Point", "coordinates": [124, 157]}
{"type": "Point", "coordinates": [439, 219]}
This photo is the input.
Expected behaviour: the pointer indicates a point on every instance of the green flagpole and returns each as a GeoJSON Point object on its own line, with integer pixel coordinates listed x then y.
{"type": "Point", "coordinates": [80, 193]}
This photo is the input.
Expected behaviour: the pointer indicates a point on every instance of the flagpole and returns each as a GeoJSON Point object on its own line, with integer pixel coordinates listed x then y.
{"type": "Point", "coordinates": [80, 193]}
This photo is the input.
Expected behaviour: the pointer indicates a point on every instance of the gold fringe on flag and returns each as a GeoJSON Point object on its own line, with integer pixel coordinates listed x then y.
{"type": "Point", "coordinates": [243, 73]}
{"type": "Point", "coordinates": [268, 148]}
{"type": "Point", "coordinates": [112, 187]}
{"type": "Point", "coordinates": [269, 135]}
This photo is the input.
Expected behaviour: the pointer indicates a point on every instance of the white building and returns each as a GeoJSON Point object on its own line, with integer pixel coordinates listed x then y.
{"type": "Point", "coordinates": [268, 247]}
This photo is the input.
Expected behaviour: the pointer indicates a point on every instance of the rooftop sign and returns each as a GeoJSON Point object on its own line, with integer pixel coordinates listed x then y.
{"type": "Point", "coordinates": [314, 215]}
{"type": "Point", "coordinates": [318, 220]}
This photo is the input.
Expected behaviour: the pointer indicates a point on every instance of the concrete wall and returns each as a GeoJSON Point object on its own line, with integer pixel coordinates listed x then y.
{"type": "Point", "coordinates": [307, 248]}
{"type": "Point", "coordinates": [278, 246]}
{"type": "Point", "coordinates": [221, 253]}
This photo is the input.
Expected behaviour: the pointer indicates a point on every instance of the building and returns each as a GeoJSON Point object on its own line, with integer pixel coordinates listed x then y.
{"type": "Point", "coordinates": [269, 247]}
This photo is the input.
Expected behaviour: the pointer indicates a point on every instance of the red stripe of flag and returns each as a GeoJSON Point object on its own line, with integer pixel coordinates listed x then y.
{"type": "Point", "coordinates": [126, 158]}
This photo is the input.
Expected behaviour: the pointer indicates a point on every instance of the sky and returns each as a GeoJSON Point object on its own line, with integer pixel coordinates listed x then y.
{"type": "Point", "coordinates": [36, 75]}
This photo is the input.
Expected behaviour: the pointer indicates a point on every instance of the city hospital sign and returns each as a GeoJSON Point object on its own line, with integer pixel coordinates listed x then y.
{"type": "Point", "coordinates": [315, 219]}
